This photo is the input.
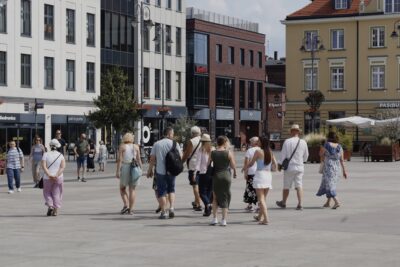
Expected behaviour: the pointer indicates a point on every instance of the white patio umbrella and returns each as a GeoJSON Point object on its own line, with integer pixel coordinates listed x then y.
{"type": "Point", "coordinates": [388, 122]}
{"type": "Point", "coordinates": [353, 121]}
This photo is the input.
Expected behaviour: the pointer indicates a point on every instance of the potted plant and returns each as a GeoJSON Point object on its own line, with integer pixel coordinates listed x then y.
{"type": "Point", "coordinates": [314, 143]}
{"type": "Point", "coordinates": [2, 163]}
{"type": "Point", "coordinates": [346, 140]}
{"type": "Point", "coordinates": [383, 150]}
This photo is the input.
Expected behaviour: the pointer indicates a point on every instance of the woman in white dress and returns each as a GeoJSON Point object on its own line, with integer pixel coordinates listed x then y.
{"type": "Point", "coordinates": [262, 181]}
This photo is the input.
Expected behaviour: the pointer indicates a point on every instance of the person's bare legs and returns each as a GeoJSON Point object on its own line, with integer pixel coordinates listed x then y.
{"type": "Point", "coordinates": [261, 195]}
{"type": "Point", "coordinates": [265, 203]}
{"type": "Point", "coordinates": [124, 196]}
{"type": "Point", "coordinates": [299, 196]}
{"type": "Point", "coordinates": [337, 204]}
{"type": "Point", "coordinates": [196, 195]}
{"type": "Point", "coordinates": [224, 213]}
{"type": "Point", "coordinates": [171, 200]}
{"type": "Point", "coordinates": [162, 203]}
{"type": "Point", "coordinates": [132, 196]}
{"type": "Point", "coordinates": [327, 203]}
{"type": "Point", "coordinates": [285, 195]}
{"type": "Point", "coordinates": [214, 206]}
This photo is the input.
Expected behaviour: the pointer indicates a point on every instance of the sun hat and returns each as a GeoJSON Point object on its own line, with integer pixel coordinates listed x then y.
{"type": "Point", "coordinates": [295, 127]}
{"type": "Point", "coordinates": [205, 138]}
{"type": "Point", "coordinates": [55, 143]}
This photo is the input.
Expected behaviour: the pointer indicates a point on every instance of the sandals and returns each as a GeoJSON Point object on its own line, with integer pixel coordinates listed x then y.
{"type": "Point", "coordinates": [280, 204]}
{"type": "Point", "coordinates": [54, 213]}
{"type": "Point", "coordinates": [263, 223]}
{"type": "Point", "coordinates": [326, 205]}
{"type": "Point", "coordinates": [256, 218]}
{"type": "Point", "coordinates": [49, 211]}
{"type": "Point", "coordinates": [336, 206]}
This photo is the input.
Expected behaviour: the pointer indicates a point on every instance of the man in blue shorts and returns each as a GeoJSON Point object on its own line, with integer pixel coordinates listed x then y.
{"type": "Point", "coordinates": [81, 151]}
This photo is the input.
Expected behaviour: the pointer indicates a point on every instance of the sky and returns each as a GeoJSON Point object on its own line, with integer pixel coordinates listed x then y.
{"type": "Point", "coordinates": [268, 13]}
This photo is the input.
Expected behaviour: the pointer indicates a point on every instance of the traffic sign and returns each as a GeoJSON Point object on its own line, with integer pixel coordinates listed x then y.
{"type": "Point", "coordinates": [39, 105]}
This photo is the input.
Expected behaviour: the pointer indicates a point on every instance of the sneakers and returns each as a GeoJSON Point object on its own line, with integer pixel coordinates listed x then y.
{"type": "Point", "coordinates": [207, 211]}
{"type": "Point", "coordinates": [163, 215]}
{"type": "Point", "coordinates": [79, 178]}
{"type": "Point", "coordinates": [158, 210]}
{"type": "Point", "coordinates": [299, 207]}
{"type": "Point", "coordinates": [197, 208]}
{"type": "Point", "coordinates": [171, 213]}
{"type": "Point", "coordinates": [124, 210]}
{"type": "Point", "coordinates": [50, 211]}
{"type": "Point", "coordinates": [214, 221]}
{"type": "Point", "coordinates": [11, 191]}
{"type": "Point", "coordinates": [249, 208]}
{"type": "Point", "coordinates": [223, 222]}
{"type": "Point", "coordinates": [83, 180]}
{"type": "Point", "coordinates": [280, 204]}
{"type": "Point", "coordinates": [19, 190]}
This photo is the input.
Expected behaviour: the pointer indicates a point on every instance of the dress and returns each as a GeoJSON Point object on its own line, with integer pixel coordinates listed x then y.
{"type": "Point", "coordinates": [250, 195]}
{"type": "Point", "coordinates": [90, 157]}
{"type": "Point", "coordinates": [263, 178]}
{"type": "Point", "coordinates": [331, 170]}
{"type": "Point", "coordinates": [221, 181]}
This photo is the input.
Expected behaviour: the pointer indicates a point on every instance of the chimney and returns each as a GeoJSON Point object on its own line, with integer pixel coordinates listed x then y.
{"type": "Point", "coordinates": [275, 55]}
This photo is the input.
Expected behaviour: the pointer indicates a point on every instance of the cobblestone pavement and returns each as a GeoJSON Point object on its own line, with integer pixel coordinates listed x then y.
{"type": "Point", "coordinates": [364, 231]}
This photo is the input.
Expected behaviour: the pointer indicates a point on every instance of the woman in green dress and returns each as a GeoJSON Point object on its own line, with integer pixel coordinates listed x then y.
{"type": "Point", "coordinates": [222, 159]}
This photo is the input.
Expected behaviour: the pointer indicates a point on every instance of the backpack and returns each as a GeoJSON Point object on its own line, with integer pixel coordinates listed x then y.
{"type": "Point", "coordinates": [173, 162]}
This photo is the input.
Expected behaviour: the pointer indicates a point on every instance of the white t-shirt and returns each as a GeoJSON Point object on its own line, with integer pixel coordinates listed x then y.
{"type": "Point", "coordinates": [299, 157]}
{"type": "Point", "coordinates": [193, 161]}
{"type": "Point", "coordinates": [249, 155]}
{"type": "Point", "coordinates": [49, 158]}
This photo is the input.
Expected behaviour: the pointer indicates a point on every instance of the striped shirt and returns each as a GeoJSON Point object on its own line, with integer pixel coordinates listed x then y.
{"type": "Point", "coordinates": [13, 158]}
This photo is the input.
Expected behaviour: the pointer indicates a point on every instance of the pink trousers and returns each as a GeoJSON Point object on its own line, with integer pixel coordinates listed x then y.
{"type": "Point", "coordinates": [52, 192]}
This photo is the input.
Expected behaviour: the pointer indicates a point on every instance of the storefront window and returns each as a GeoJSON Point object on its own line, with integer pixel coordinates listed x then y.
{"type": "Point", "coordinates": [224, 92]}
{"type": "Point", "coordinates": [200, 91]}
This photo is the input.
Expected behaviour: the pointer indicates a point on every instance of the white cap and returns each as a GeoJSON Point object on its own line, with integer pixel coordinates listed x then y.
{"type": "Point", "coordinates": [54, 142]}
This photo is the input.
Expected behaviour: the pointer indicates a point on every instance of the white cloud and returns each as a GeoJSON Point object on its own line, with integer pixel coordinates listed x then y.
{"type": "Point", "coordinates": [268, 13]}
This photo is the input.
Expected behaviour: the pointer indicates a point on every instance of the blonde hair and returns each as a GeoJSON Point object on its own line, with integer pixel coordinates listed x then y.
{"type": "Point", "coordinates": [128, 138]}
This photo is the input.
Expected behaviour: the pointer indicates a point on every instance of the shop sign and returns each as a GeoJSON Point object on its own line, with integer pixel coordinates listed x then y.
{"type": "Point", "coordinates": [389, 104]}
{"type": "Point", "coordinates": [201, 69]}
{"type": "Point", "coordinates": [76, 119]}
{"type": "Point", "coordinates": [225, 114]}
{"type": "Point", "coordinates": [274, 105]}
{"type": "Point", "coordinates": [250, 115]}
{"type": "Point", "coordinates": [9, 117]}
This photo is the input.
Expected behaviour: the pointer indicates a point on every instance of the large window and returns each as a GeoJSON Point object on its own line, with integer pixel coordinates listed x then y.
{"type": "Point", "coordinates": [157, 83]}
{"type": "Point", "coordinates": [242, 57]}
{"type": "Point", "coordinates": [200, 91]}
{"type": "Point", "coordinates": [392, 6]}
{"type": "Point", "coordinates": [378, 77]}
{"type": "Point", "coordinates": [251, 95]}
{"type": "Point", "coordinates": [260, 60]}
{"type": "Point", "coordinates": [310, 83]}
{"type": "Point", "coordinates": [341, 4]}
{"type": "Point", "coordinates": [312, 122]}
{"type": "Point", "coordinates": [259, 100]}
{"type": "Point", "coordinates": [115, 32]}
{"type": "Point", "coordinates": [179, 5]}
{"type": "Point", "coordinates": [122, 33]}
{"type": "Point", "coordinates": [310, 38]}
{"type": "Point", "coordinates": [169, 4]}
{"type": "Point", "coordinates": [378, 36]}
{"type": "Point", "coordinates": [157, 45]}
{"type": "Point", "coordinates": [3, 68]}
{"type": "Point", "coordinates": [218, 53]}
{"type": "Point", "coordinates": [3, 18]}
{"type": "Point", "coordinates": [337, 78]}
{"type": "Point", "coordinates": [26, 17]}
{"type": "Point", "coordinates": [242, 93]}
{"type": "Point", "coordinates": [251, 58]}
{"type": "Point", "coordinates": [168, 37]}
{"type": "Point", "coordinates": [90, 77]}
{"type": "Point", "coordinates": [49, 73]}
{"type": "Point", "coordinates": [48, 22]}
{"type": "Point", "coordinates": [70, 26]}
{"type": "Point", "coordinates": [224, 92]}
{"type": "Point", "coordinates": [231, 55]}
{"type": "Point", "coordinates": [200, 49]}
{"type": "Point", "coordinates": [178, 86]}
{"type": "Point", "coordinates": [337, 39]}
{"type": "Point", "coordinates": [91, 29]}
{"type": "Point", "coordinates": [168, 84]}
{"type": "Point", "coordinates": [158, 3]}
{"type": "Point", "coordinates": [26, 70]}
{"type": "Point", "coordinates": [178, 41]}
{"type": "Point", "coordinates": [106, 30]}
{"type": "Point", "coordinates": [70, 67]}
{"type": "Point", "coordinates": [146, 83]}
{"type": "Point", "coordinates": [146, 39]}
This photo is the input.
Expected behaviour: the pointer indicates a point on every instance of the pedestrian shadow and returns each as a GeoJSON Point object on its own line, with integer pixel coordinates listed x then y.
{"type": "Point", "coordinates": [122, 218]}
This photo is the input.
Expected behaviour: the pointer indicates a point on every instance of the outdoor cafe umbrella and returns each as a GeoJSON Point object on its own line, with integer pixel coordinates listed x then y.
{"type": "Point", "coordinates": [354, 121]}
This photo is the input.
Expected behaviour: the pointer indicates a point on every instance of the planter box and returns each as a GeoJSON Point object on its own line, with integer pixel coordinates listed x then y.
{"type": "Point", "coordinates": [2, 166]}
{"type": "Point", "coordinates": [396, 151]}
{"type": "Point", "coordinates": [380, 152]}
{"type": "Point", "coordinates": [314, 155]}
{"type": "Point", "coordinates": [347, 155]}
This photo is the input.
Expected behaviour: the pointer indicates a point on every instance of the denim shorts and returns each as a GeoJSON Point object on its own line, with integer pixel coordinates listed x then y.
{"type": "Point", "coordinates": [165, 184]}
{"type": "Point", "coordinates": [81, 161]}
{"type": "Point", "coordinates": [193, 178]}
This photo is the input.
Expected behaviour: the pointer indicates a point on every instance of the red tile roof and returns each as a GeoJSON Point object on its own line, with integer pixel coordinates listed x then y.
{"type": "Point", "coordinates": [322, 8]}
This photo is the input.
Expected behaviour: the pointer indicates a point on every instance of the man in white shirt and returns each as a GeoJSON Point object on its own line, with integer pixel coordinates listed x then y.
{"type": "Point", "coordinates": [250, 195]}
{"type": "Point", "coordinates": [295, 171]}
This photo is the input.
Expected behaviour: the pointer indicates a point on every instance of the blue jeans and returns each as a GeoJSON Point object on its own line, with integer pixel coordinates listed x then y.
{"type": "Point", "coordinates": [165, 184]}
{"type": "Point", "coordinates": [205, 188]}
{"type": "Point", "coordinates": [11, 175]}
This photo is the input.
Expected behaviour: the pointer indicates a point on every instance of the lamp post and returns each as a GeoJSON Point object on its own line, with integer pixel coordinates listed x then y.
{"type": "Point", "coordinates": [161, 32]}
{"type": "Point", "coordinates": [145, 24]}
{"type": "Point", "coordinates": [313, 44]}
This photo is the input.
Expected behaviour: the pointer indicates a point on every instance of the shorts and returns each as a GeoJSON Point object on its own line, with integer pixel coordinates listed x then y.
{"type": "Point", "coordinates": [262, 180]}
{"type": "Point", "coordinates": [81, 161]}
{"type": "Point", "coordinates": [290, 177]}
{"type": "Point", "coordinates": [165, 184]}
{"type": "Point", "coordinates": [193, 178]}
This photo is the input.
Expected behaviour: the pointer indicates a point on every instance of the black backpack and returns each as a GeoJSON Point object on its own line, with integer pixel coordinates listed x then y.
{"type": "Point", "coordinates": [173, 162]}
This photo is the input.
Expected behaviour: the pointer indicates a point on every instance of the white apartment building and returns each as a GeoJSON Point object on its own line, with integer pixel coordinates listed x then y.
{"type": "Point", "coordinates": [49, 51]}
{"type": "Point", "coordinates": [167, 16]}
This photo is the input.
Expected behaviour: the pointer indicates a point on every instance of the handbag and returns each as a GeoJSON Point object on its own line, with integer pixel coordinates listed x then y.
{"type": "Point", "coordinates": [285, 163]}
{"type": "Point", "coordinates": [40, 184]}
{"type": "Point", "coordinates": [136, 171]}
{"type": "Point", "coordinates": [210, 168]}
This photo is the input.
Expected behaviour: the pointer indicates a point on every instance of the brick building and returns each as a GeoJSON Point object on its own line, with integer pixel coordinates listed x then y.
{"type": "Point", "coordinates": [225, 74]}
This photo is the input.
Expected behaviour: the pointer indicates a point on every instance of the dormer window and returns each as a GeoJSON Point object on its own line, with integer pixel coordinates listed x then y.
{"type": "Point", "coordinates": [341, 4]}
{"type": "Point", "coordinates": [392, 6]}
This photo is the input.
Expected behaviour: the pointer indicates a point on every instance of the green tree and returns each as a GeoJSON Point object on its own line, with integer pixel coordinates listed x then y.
{"type": "Point", "coordinates": [116, 105]}
{"type": "Point", "coordinates": [182, 128]}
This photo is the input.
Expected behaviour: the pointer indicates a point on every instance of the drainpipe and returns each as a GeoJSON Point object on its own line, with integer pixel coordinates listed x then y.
{"type": "Point", "coordinates": [358, 77]}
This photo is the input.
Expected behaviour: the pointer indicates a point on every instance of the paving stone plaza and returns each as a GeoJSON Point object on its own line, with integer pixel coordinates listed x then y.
{"type": "Point", "coordinates": [364, 231]}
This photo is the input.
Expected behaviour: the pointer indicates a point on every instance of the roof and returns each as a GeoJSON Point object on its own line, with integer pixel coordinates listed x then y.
{"type": "Point", "coordinates": [324, 8]}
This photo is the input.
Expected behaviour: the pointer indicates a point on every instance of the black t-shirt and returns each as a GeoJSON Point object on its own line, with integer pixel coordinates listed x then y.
{"type": "Point", "coordinates": [62, 143]}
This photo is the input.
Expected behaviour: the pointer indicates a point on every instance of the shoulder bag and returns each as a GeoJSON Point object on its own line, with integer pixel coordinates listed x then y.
{"type": "Point", "coordinates": [191, 156]}
{"type": "Point", "coordinates": [40, 184]}
{"type": "Point", "coordinates": [285, 164]}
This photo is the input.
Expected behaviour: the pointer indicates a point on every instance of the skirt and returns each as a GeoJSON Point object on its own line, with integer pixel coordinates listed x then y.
{"type": "Point", "coordinates": [262, 180]}
{"type": "Point", "coordinates": [129, 176]}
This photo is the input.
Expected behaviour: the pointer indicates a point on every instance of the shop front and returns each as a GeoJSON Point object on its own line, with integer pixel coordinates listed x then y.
{"type": "Point", "coordinates": [250, 121]}
{"type": "Point", "coordinates": [225, 123]}
{"type": "Point", "coordinates": [71, 127]}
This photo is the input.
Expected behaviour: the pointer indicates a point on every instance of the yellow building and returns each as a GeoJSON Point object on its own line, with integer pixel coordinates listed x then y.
{"type": "Point", "coordinates": [351, 49]}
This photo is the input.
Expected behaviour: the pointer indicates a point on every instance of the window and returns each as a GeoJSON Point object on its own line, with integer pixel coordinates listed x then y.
{"type": "Point", "coordinates": [378, 36]}
{"type": "Point", "coordinates": [242, 57]}
{"type": "Point", "coordinates": [218, 53]}
{"type": "Point", "coordinates": [49, 73]}
{"type": "Point", "coordinates": [26, 17]}
{"type": "Point", "coordinates": [251, 95]}
{"type": "Point", "coordinates": [146, 39]}
{"type": "Point", "coordinates": [3, 18]}
{"type": "Point", "coordinates": [157, 45]}
{"type": "Point", "coordinates": [179, 5]}
{"type": "Point", "coordinates": [146, 83]}
{"type": "Point", "coordinates": [312, 122]}
{"type": "Point", "coordinates": [169, 4]}
{"type": "Point", "coordinates": [311, 38]}
{"type": "Point", "coordinates": [341, 4]}
{"type": "Point", "coordinates": [337, 39]}
{"type": "Point", "coordinates": [259, 96]}
{"type": "Point", "coordinates": [168, 37]}
{"type": "Point", "coordinates": [90, 77]}
{"type": "Point", "coordinates": [91, 29]}
{"type": "Point", "coordinates": [178, 41]}
{"type": "Point", "coordinates": [260, 60]}
{"type": "Point", "coordinates": [70, 26]}
{"type": "Point", "coordinates": [200, 90]}
{"type": "Point", "coordinates": [158, 3]}
{"type": "Point", "coordinates": [123, 33]}
{"type": "Point", "coordinates": [3, 68]}
{"type": "Point", "coordinates": [377, 77]}
{"type": "Point", "coordinates": [310, 84]}
{"type": "Point", "coordinates": [251, 58]}
{"type": "Point", "coordinates": [224, 92]}
{"type": "Point", "coordinates": [106, 30]}
{"type": "Point", "coordinates": [242, 88]}
{"type": "Point", "coordinates": [115, 32]}
{"type": "Point", "coordinates": [392, 6]}
{"type": "Point", "coordinates": [337, 78]}
{"type": "Point", "coordinates": [25, 70]}
{"type": "Point", "coordinates": [178, 86]}
{"type": "Point", "coordinates": [48, 22]}
{"type": "Point", "coordinates": [231, 55]}
{"type": "Point", "coordinates": [157, 83]}
{"type": "Point", "coordinates": [168, 85]}
{"type": "Point", "coordinates": [197, 49]}
{"type": "Point", "coordinates": [70, 75]}
{"type": "Point", "coordinates": [129, 34]}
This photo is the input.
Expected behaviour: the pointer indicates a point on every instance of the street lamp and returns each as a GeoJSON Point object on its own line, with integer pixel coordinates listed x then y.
{"type": "Point", "coordinates": [161, 31]}
{"type": "Point", "coordinates": [145, 25]}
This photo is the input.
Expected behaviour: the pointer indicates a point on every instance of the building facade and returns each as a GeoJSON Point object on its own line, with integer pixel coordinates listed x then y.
{"type": "Point", "coordinates": [226, 75]}
{"type": "Point", "coordinates": [358, 69]}
{"type": "Point", "coordinates": [49, 54]}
